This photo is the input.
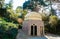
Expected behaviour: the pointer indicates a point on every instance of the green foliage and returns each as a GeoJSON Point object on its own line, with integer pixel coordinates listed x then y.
{"type": "Point", "coordinates": [8, 30]}
{"type": "Point", "coordinates": [2, 12]}
{"type": "Point", "coordinates": [53, 25]}
{"type": "Point", "coordinates": [8, 19]}
{"type": "Point", "coordinates": [24, 12]}
{"type": "Point", "coordinates": [19, 9]}
{"type": "Point", "coordinates": [19, 12]}
{"type": "Point", "coordinates": [10, 34]}
{"type": "Point", "coordinates": [44, 17]}
{"type": "Point", "coordinates": [53, 11]}
{"type": "Point", "coordinates": [53, 20]}
{"type": "Point", "coordinates": [8, 25]}
{"type": "Point", "coordinates": [31, 4]}
{"type": "Point", "coordinates": [1, 3]}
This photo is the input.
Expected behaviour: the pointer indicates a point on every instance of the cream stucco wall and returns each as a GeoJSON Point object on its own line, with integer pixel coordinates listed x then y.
{"type": "Point", "coordinates": [30, 19]}
{"type": "Point", "coordinates": [33, 16]}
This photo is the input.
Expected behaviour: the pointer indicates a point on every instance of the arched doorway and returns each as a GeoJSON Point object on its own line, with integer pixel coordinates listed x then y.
{"type": "Point", "coordinates": [33, 30]}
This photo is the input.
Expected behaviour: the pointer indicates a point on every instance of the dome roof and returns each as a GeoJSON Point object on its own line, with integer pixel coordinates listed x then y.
{"type": "Point", "coordinates": [33, 16]}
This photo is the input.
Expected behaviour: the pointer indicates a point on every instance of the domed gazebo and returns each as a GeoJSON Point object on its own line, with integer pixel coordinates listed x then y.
{"type": "Point", "coordinates": [33, 24]}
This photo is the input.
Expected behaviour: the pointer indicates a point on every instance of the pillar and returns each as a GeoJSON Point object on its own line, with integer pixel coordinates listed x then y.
{"type": "Point", "coordinates": [38, 30]}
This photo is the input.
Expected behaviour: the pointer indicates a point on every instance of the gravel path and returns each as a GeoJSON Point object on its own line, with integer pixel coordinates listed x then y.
{"type": "Point", "coordinates": [22, 35]}
{"type": "Point", "coordinates": [52, 36]}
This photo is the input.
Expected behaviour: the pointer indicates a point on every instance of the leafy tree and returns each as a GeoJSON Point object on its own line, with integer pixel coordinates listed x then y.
{"type": "Point", "coordinates": [44, 17]}
{"type": "Point", "coordinates": [14, 15]}
{"type": "Point", "coordinates": [2, 10]}
{"type": "Point", "coordinates": [52, 12]}
{"type": "Point", "coordinates": [26, 4]}
{"type": "Point", "coordinates": [32, 4]}
{"type": "Point", "coordinates": [53, 23]}
{"type": "Point", "coordinates": [24, 12]}
{"type": "Point", "coordinates": [10, 3]}
{"type": "Point", "coordinates": [10, 11]}
{"type": "Point", "coordinates": [19, 9]}
{"type": "Point", "coordinates": [19, 12]}
{"type": "Point", "coordinates": [53, 20]}
{"type": "Point", "coordinates": [1, 3]}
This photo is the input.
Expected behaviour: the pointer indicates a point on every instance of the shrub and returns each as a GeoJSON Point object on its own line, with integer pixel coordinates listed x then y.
{"type": "Point", "coordinates": [12, 33]}
{"type": "Point", "coordinates": [8, 30]}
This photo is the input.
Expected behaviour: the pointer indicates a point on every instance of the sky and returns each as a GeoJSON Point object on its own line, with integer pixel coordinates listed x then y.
{"type": "Point", "coordinates": [20, 3]}
{"type": "Point", "coordinates": [16, 3]}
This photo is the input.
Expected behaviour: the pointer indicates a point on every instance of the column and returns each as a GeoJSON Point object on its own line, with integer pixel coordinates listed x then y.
{"type": "Point", "coordinates": [38, 30]}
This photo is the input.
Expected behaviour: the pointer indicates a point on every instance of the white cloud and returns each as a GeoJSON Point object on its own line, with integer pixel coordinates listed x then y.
{"type": "Point", "coordinates": [16, 3]}
{"type": "Point", "coordinates": [7, 1]}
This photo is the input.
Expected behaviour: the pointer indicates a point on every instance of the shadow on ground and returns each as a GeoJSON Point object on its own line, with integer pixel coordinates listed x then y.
{"type": "Point", "coordinates": [22, 35]}
{"type": "Point", "coordinates": [37, 38]}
